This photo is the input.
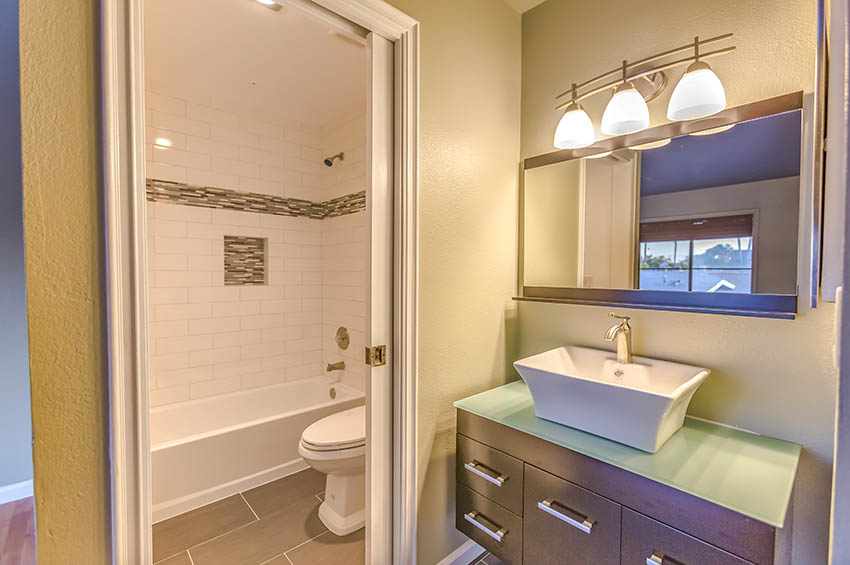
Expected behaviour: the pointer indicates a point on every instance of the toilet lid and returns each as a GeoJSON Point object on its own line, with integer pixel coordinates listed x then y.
{"type": "Point", "coordinates": [342, 430]}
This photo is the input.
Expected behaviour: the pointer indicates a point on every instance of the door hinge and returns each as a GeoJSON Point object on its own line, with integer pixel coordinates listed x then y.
{"type": "Point", "coordinates": [376, 355]}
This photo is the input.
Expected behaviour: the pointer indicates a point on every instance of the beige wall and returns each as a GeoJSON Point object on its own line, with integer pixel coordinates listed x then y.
{"type": "Point", "coordinates": [770, 376]}
{"type": "Point", "coordinates": [62, 221]}
{"type": "Point", "coordinates": [469, 150]}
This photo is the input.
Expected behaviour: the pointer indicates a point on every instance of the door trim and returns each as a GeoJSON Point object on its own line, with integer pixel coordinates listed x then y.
{"type": "Point", "coordinates": [124, 205]}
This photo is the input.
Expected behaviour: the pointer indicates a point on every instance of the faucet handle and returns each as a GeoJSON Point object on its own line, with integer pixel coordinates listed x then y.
{"type": "Point", "coordinates": [613, 315]}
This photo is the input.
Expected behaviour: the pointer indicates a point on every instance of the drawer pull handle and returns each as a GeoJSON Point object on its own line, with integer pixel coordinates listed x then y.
{"type": "Point", "coordinates": [658, 558]}
{"type": "Point", "coordinates": [473, 467]}
{"type": "Point", "coordinates": [582, 522]}
{"type": "Point", "coordinates": [497, 535]}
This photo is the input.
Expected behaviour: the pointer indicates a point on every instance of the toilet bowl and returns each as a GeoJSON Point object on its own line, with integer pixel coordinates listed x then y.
{"type": "Point", "coordinates": [336, 446]}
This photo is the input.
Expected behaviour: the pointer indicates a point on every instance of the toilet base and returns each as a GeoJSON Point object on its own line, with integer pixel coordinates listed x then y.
{"type": "Point", "coordinates": [339, 525]}
{"type": "Point", "coordinates": [344, 508]}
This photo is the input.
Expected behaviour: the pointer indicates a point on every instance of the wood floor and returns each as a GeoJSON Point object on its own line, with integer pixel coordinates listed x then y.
{"type": "Point", "coordinates": [273, 524]}
{"type": "Point", "coordinates": [17, 532]}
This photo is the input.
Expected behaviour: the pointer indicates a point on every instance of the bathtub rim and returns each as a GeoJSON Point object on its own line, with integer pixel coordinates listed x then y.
{"type": "Point", "coordinates": [154, 447]}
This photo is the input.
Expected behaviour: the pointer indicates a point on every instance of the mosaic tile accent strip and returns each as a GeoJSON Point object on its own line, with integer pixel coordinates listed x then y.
{"type": "Point", "coordinates": [223, 198]}
{"type": "Point", "coordinates": [244, 260]}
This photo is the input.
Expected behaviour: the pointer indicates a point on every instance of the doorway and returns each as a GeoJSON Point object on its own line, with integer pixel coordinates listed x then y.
{"type": "Point", "coordinates": [289, 276]}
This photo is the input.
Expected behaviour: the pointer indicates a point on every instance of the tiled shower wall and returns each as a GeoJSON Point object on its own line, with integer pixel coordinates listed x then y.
{"type": "Point", "coordinates": [207, 338]}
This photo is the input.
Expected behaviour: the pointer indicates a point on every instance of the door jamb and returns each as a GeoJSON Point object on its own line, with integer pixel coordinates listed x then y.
{"type": "Point", "coordinates": [122, 116]}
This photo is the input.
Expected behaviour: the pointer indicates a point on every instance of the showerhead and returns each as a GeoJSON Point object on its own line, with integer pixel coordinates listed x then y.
{"type": "Point", "coordinates": [330, 160]}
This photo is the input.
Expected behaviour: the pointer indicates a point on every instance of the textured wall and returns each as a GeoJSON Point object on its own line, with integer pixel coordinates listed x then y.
{"type": "Point", "coordinates": [15, 420]}
{"type": "Point", "coordinates": [469, 121]}
{"type": "Point", "coordinates": [774, 377]}
{"type": "Point", "coordinates": [62, 222]}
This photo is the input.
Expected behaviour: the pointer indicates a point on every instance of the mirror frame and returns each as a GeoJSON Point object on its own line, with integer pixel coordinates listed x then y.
{"type": "Point", "coordinates": [757, 305]}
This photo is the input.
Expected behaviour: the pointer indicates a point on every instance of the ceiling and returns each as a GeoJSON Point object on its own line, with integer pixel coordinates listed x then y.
{"type": "Point", "coordinates": [767, 148]}
{"type": "Point", "coordinates": [523, 5]}
{"type": "Point", "coordinates": [287, 64]}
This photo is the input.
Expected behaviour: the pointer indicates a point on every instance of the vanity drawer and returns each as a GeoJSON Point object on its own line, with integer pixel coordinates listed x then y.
{"type": "Point", "coordinates": [488, 471]}
{"type": "Point", "coordinates": [647, 542]}
{"type": "Point", "coordinates": [498, 530]}
{"type": "Point", "coordinates": [566, 524]}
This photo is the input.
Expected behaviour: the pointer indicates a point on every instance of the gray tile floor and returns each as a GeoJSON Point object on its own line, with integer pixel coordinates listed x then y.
{"type": "Point", "coordinates": [273, 524]}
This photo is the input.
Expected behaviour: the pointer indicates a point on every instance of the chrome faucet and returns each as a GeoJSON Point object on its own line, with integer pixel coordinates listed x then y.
{"type": "Point", "coordinates": [622, 332]}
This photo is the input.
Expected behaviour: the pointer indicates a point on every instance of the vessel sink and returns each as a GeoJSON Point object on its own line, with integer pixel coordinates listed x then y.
{"type": "Point", "coordinates": [640, 404]}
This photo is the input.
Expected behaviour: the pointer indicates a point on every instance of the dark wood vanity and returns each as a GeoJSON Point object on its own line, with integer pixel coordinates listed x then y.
{"type": "Point", "coordinates": [530, 500]}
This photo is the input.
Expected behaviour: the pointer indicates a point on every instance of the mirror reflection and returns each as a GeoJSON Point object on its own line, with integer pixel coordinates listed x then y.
{"type": "Point", "coordinates": [710, 212]}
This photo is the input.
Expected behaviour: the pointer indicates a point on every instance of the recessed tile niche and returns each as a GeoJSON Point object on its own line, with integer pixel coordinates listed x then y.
{"type": "Point", "coordinates": [244, 260]}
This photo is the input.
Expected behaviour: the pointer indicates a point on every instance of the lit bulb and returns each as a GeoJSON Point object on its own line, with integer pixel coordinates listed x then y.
{"type": "Point", "coordinates": [599, 155]}
{"type": "Point", "coordinates": [626, 112]}
{"type": "Point", "coordinates": [699, 94]}
{"type": "Point", "coordinates": [575, 129]}
{"type": "Point", "coordinates": [162, 142]}
{"type": "Point", "coordinates": [266, 2]}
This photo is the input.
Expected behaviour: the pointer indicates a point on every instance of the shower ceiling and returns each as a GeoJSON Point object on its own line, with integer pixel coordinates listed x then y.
{"type": "Point", "coordinates": [286, 63]}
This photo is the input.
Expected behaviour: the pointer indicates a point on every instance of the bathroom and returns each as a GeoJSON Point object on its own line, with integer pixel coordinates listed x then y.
{"type": "Point", "coordinates": [150, 127]}
{"type": "Point", "coordinates": [257, 271]}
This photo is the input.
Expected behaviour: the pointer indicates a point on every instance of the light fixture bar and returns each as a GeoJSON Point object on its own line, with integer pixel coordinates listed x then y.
{"type": "Point", "coordinates": [693, 45]}
{"type": "Point", "coordinates": [646, 72]}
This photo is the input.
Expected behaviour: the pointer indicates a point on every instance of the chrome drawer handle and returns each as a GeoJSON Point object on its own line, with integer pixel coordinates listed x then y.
{"type": "Point", "coordinates": [583, 523]}
{"type": "Point", "coordinates": [497, 535]}
{"type": "Point", "coordinates": [658, 558]}
{"type": "Point", "coordinates": [473, 467]}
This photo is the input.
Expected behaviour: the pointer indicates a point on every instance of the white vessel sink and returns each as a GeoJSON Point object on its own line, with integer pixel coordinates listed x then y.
{"type": "Point", "coordinates": [640, 404]}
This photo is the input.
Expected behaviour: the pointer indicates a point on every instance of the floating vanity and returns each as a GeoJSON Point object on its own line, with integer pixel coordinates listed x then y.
{"type": "Point", "coordinates": [534, 491]}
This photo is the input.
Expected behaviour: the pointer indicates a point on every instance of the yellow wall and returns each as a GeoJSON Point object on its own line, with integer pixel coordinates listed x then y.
{"type": "Point", "coordinates": [469, 150]}
{"type": "Point", "coordinates": [62, 219]}
{"type": "Point", "coordinates": [770, 376]}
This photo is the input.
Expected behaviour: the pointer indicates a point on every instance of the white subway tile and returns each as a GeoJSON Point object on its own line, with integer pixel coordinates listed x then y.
{"type": "Point", "coordinates": [251, 155]}
{"type": "Point", "coordinates": [200, 177]}
{"type": "Point", "coordinates": [205, 263]}
{"type": "Point", "coordinates": [304, 138]}
{"type": "Point", "coordinates": [212, 147]}
{"type": "Point", "coordinates": [236, 308]}
{"type": "Point", "coordinates": [214, 387]}
{"type": "Point", "coordinates": [181, 279]}
{"type": "Point", "coordinates": [180, 124]}
{"type": "Point", "coordinates": [165, 312]}
{"type": "Point", "coordinates": [182, 245]}
{"type": "Point", "coordinates": [165, 172]}
{"type": "Point", "coordinates": [214, 294]}
{"type": "Point", "coordinates": [177, 139]}
{"type": "Point", "coordinates": [183, 213]}
{"type": "Point", "coordinates": [263, 378]}
{"type": "Point", "coordinates": [180, 158]}
{"type": "Point", "coordinates": [242, 337]}
{"type": "Point", "coordinates": [167, 227]}
{"type": "Point", "coordinates": [234, 136]}
{"type": "Point", "coordinates": [214, 356]}
{"type": "Point", "coordinates": [168, 395]}
{"type": "Point", "coordinates": [167, 104]}
{"type": "Point", "coordinates": [173, 328]}
{"type": "Point", "coordinates": [280, 306]}
{"type": "Point", "coordinates": [211, 115]}
{"type": "Point", "coordinates": [261, 128]}
{"type": "Point", "coordinates": [262, 321]}
{"type": "Point", "coordinates": [166, 345]}
{"type": "Point", "coordinates": [236, 368]}
{"type": "Point", "coordinates": [160, 262]}
{"type": "Point", "coordinates": [235, 167]}
{"type": "Point", "coordinates": [169, 362]}
{"type": "Point", "coordinates": [184, 376]}
{"type": "Point", "coordinates": [213, 325]}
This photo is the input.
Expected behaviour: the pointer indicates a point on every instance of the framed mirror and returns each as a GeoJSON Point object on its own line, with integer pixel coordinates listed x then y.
{"type": "Point", "coordinates": [695, 216]}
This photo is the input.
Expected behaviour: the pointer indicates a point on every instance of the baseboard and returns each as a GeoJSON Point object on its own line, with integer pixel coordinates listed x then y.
{"type": "Point", "coordinates": [171, 508]}
{"type": "Point", "coordinates": [17, 491]}
{"type": "Point", "coordinates": [463, 555]}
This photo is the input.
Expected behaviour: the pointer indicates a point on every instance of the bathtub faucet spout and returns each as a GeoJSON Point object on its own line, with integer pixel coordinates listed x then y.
{"type": "Point", "coordinates": [339, 366]}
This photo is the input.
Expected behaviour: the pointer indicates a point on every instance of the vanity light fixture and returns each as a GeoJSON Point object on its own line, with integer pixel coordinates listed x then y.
{"type": "Point", "coordinates": [599, 155]}
{"type": "Point", "coordinates": [698, 94]}
{"type": "Point", "coordinates": [575, 130]}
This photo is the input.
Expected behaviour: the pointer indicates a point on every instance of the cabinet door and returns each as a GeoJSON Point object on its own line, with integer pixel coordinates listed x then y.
{"type": "Point", "coordinates": [490, 472]}
{"type": "Point", "coordinates": [648, 542]}
{"type": "Point", "coordinates": [493, 527]}
{"type": "Point", "coordinates": [566, 524]}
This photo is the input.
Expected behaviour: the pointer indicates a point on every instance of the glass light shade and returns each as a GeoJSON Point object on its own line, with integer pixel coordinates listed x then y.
{"type": "Point", "coordinates": [699, 94]}
{"type": "Point", "coordinates": [575, 129]}
{"type": "Point", "coordinates": [626, 112]}
{"type": "Point", "coordinates": [599, 155]}
{"type": "Point", "coordinates": [712, 131]}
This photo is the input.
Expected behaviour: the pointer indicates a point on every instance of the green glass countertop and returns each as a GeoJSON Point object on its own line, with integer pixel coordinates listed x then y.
{"type": "Point", "coordinates": [739, 470]}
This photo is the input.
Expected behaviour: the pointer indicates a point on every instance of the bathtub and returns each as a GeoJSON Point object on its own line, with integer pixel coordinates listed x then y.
{"type": "Point", "coordinates": [204, 450]}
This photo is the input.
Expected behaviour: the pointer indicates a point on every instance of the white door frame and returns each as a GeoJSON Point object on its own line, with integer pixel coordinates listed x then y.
{"type": "Point", "coordinates": [124, 189]}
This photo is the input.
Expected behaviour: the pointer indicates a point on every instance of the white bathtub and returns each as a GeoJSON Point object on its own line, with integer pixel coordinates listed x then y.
{"type": "Point", "coordinates": [204, 450]}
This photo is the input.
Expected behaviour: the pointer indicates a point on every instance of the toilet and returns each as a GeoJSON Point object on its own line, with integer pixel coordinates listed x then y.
{"type": "Point", "coordinates": [336, 446]}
